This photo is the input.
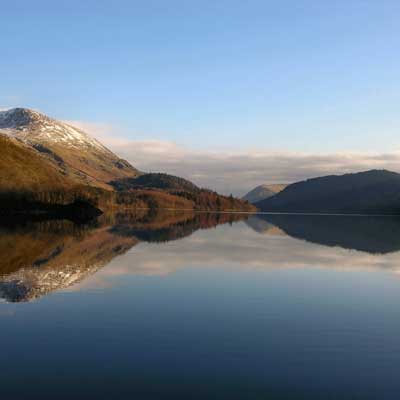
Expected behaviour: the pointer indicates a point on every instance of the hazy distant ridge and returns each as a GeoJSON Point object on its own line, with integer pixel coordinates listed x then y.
{"type": "Point", "coordinates": [263, 192]}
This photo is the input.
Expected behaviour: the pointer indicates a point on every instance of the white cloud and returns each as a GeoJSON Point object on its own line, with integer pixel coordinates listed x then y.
{"type": "Point", "coordinates": [235, 172]}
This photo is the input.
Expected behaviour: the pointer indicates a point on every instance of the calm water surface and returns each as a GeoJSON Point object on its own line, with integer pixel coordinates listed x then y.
{"type": "Point", "coordinates": [207, 306]}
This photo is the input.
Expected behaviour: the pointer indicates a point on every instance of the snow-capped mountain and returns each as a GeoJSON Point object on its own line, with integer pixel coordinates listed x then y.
{"type": "Point", "coordinates": [29, 125]}
{"type": "Point", "coordinates": [76, 153]}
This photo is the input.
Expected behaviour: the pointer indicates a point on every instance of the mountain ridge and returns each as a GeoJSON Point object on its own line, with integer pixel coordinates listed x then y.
{"type": "Point", "coordinates": [369, 192]}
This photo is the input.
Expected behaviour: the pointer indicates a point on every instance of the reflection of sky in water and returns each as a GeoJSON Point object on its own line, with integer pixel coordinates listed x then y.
{"type": "Point", "coordinates": [225, 313]}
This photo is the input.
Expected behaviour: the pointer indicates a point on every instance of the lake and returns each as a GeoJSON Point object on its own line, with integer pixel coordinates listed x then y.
{"type": "Point", "coordinates": [201, 306]}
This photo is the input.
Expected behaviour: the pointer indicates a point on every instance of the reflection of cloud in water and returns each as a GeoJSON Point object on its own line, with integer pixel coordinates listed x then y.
{"type": "Point", "coordinates": [239, 248]}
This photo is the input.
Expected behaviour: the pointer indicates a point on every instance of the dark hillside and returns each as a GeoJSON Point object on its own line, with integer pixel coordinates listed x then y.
{"type": "Point", "coordinates": [370, 192]}
{"type": "Point", "coordinates": [155, 181]}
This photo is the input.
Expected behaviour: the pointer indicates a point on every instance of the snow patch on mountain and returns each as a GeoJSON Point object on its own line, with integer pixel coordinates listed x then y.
{"type": "Point", "coordinates": [29, 125]}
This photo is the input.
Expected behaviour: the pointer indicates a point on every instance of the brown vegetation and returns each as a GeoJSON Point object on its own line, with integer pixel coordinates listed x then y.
{"type": "Point", "coordinates": [29, 182]}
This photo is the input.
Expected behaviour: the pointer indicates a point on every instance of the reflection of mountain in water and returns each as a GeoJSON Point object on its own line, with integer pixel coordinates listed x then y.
{"type": "Point", "coordinates": [376, 235]}
{"type": "Point", "coordinates": [39, 258]}
{"type": "Point", "coordinates": [260, 225]}
{"type": "Point", "coordinates": [54, 255]}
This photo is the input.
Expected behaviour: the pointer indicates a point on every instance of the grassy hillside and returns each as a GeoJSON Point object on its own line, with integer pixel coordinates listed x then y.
{"type": "Point", "coordinates": [23, 169]}
{"type": "Point", "coordinates": [92, 168]}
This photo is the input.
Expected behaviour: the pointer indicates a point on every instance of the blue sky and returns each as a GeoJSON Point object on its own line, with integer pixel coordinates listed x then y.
{"type": "Point", "coordinates": [286, 76]}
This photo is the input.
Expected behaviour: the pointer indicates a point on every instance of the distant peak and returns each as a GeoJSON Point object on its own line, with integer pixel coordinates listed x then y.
{"type": "Point", "coordinates": [17, 117]}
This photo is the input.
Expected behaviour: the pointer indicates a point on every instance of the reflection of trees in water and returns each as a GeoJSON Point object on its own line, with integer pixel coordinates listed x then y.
{"type": "Point", "coordinates": [173, 227]}
{"type": "Point", "coordinates": [40, 257]}
{"type": "Point", "coordinates": [371, 234]}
